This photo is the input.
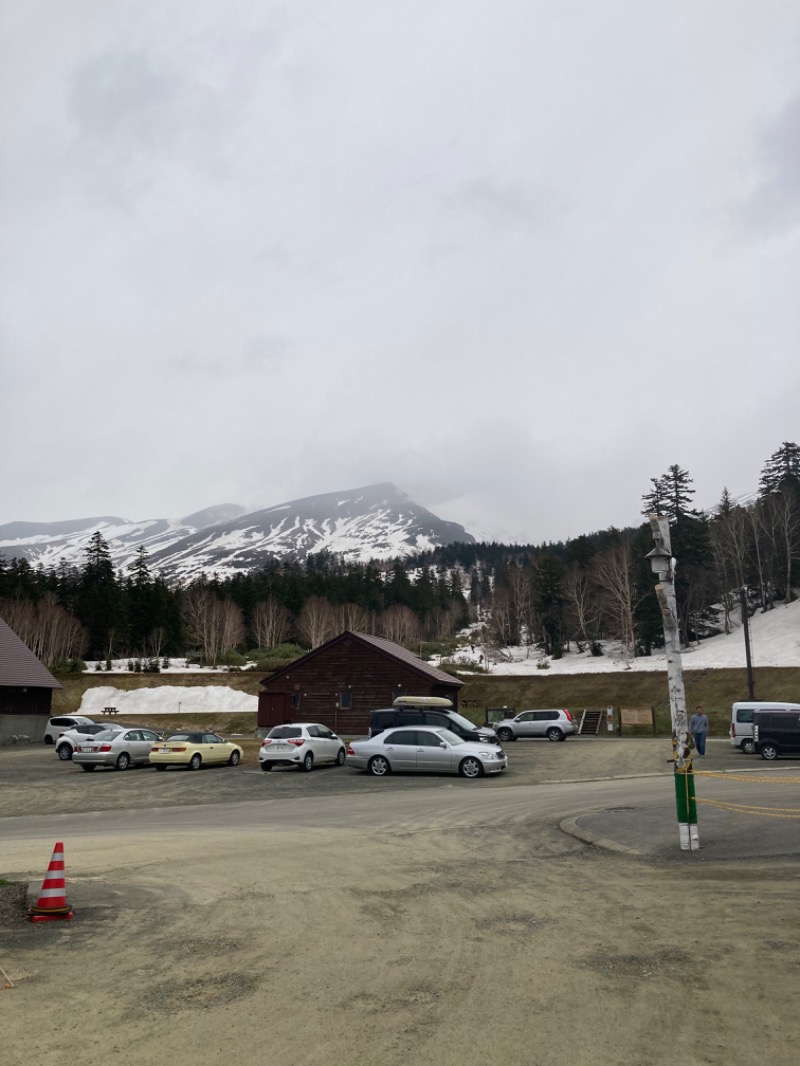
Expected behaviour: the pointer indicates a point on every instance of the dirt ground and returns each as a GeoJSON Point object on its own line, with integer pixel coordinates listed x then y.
{"type": "Point", "coordinates": [416, 944]}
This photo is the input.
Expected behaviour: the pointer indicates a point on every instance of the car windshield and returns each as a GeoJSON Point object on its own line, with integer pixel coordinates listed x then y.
{"type": "Point", "coordinates": [451, 738]}
{"type": "Point", "coordinates": [465, 723]}
{"type": "Point", "coordinates": [282, 732]}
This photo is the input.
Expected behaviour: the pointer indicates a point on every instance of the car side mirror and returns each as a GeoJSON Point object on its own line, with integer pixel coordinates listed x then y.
{"type": "Point", "coordinates": [334, 737]}
{"type": "Point", "coordinates": [443, 745]}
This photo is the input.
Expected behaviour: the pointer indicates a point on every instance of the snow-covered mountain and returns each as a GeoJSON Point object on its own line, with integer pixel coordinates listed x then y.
{"type": "Point", "coordinates": [50, 543]}
{"type": "Point", "coordinates": [374, 522]}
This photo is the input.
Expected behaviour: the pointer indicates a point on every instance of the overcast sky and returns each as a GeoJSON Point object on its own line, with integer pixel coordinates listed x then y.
{"type": "Point", "coordinates": [516, 256]}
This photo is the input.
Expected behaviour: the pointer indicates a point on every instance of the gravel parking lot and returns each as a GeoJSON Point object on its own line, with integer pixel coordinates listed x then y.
{"type": "Point", "coordinates": [35, 781]}
{"type": "Point", "coordinates": [425, 936]}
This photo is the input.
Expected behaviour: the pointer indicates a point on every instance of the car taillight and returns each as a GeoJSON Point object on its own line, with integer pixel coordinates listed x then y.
{"type": "Point", "coordinates": [176, 749]}
{"type": "Point", "coordinates": [297, 741]}
{"type": "Point", "coordinates": [733, 730]}
{"type": "Point", "coordinates": [265, 741]}
{"type": "Point", "coordinates": [105, 747]}
{"type": "Point", "coordinates": [350, 749]}
{"type": "Point", "coordinates": [569, 716]}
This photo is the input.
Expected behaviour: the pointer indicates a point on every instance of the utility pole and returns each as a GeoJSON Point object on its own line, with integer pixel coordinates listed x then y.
{"type": "Point", "coordinates": [663, 565]}
{"type": "Point", "coordinates": [746, 625]}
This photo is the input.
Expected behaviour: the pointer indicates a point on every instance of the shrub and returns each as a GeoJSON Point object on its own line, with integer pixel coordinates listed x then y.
{"type": "Point", "coordinates": [281, 655]}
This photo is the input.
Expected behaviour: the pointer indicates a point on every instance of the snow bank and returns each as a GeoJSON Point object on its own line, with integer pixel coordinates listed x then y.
{"type": "Point", "coordinates": [774, 641]}
{"type": "Point", "coordinates": [167, 699]}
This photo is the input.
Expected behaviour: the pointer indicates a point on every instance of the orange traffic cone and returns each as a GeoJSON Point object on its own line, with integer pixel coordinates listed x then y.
{"type": "Point", "coordinates": [52, 903]}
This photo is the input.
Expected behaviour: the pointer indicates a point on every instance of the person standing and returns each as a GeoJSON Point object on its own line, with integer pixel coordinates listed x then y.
{"type": "Point", "coordinates": [698, 727]}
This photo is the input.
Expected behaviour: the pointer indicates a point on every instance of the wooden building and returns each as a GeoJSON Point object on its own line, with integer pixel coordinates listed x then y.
{"type": "Point", "coordinates": [341, 682]}
{"type": "Point", "coordinates": [26, 689]}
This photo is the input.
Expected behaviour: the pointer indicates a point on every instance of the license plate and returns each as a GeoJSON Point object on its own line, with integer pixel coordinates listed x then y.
{"type": "Point", "coordinates": [280, 747]}
{"type": "Point", "coordinates": [165, 751]}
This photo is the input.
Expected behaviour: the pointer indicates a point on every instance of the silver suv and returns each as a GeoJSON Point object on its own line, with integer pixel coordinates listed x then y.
{"type": "Point", "coordinates": [555, 725]}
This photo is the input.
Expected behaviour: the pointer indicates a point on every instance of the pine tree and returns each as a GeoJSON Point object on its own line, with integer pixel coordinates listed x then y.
{"type": "Point", "coordinates": [99, 601]}
{"type": "Point", "coordinates": [781, 471]}
{"type": "Point", "coordinates": [671, 495]}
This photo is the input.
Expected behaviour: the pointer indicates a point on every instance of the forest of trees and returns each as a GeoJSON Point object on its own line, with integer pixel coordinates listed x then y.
{"type": "Point", "coordinates": [551, 597]}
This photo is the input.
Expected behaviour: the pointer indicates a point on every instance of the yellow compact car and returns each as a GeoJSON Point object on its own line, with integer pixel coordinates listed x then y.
{"type": "Point", "coordinates": [194, 750]}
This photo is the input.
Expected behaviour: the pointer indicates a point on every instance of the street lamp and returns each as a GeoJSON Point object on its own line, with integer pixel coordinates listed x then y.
{"type": "Point", "coordinates": [663, 566]}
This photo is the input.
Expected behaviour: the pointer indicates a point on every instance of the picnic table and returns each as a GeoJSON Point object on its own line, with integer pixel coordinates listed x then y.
{"type": "Point", "coordinates": [109, 710]}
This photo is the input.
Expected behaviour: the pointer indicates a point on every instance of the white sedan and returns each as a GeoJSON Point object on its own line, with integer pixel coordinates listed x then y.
{"type": "Point", "coordinates": [425, 750]}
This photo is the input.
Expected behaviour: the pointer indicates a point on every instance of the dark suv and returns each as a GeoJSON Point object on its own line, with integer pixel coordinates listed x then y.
{"type": "Point", "coordinates": [389, 717]}
{"type": "Point", "coordinates": [776, 733]}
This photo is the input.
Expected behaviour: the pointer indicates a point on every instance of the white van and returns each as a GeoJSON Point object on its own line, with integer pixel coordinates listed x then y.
{"type": "Point", "coordinates": [741, 728]}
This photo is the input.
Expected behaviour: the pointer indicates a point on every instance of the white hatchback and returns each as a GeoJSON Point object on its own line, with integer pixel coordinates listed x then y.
{"type": "Point", "coordinates": [301, 744]}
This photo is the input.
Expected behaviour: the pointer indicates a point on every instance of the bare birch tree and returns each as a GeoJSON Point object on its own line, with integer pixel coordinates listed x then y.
{"type": "Point", "coordinates": [582, 611]}
{"type": "Point", "coordinates": [316, 622]}
{"type": "Point", "coordinates": [271, 623]}
{"type": "Point", "coordinates": [400, 624]}
{"type": "Point", "coordinates": [46, 628]}
{"type": "Point", "coordinates": [614, 572]}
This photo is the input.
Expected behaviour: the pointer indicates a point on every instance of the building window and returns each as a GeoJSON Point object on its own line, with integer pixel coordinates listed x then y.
{"type": "Point", "coordinates": [295, 700]}
{"type": "Point", "coordinates": [346, 700]}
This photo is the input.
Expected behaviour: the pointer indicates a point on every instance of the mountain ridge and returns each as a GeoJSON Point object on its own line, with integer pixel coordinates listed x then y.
{"type": "Point", "coordinates": [372, 522]}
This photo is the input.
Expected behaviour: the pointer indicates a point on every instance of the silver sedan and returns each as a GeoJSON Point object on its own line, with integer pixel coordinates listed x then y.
{"type": "Point", "coordinates": [117, 746]}
{"type": "Point", "coordinates": [425, 750]}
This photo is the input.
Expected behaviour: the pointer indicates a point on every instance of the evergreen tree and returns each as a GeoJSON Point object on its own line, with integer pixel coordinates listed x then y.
{"type": "Point", "coordinates": [100, 602]}
{"type": "Point", "coordinates": [781, 471]}
{"type": "Point", "coordinates": [671, 494]}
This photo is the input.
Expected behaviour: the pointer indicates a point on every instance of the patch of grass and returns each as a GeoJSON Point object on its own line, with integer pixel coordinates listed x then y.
{"type": "Point", "coordinates": [715, 691]}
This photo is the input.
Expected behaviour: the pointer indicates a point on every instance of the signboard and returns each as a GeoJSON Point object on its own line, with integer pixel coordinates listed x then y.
{"type": "Point", "coordinates": [497, 714]}
{"type": "Point", "coordinates": [637, 716]}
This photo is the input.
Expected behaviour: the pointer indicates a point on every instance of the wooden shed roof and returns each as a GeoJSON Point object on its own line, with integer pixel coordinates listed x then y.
{"type": "Point", "coordinates": [384, 647]}
{"type": "Point", "coordinates": [19, 667]}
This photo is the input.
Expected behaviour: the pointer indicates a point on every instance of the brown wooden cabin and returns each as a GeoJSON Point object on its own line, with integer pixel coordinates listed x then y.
{"type": "Point", "coordinates": [26, 688]}
{"type": "Point", "coordinates": [341, 682]}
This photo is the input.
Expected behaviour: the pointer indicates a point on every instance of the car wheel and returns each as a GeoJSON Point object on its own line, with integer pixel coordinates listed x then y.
{"type": "Point", "coordinates": [378, 766]}
{"type": "Point", "coordinates": [308, 762]}
{"type": "Point", "coordinates": [88, 767]}
{"type": "Point", "coordinates": [234, 759]}
{"type": "Point", "coordinates": [64, 752]}
{"type": "Point", "coordinates": [340, 757]}
{"type": "Point", "coordinates": [769, 752]}
{"type": "Point", "coordinates": [123, 761]}
{"type": "Point", "coordinates": [748, 747]}
{"type": "Point", "coordinates": [555, 734]}
{"type": "Point", "coordinates": [505, 735]}
{"type": "Point", "coordinates": [266, 767]}
{"type": "Point", "coordinates": [471, 767]}
{"type": "Point", "coordinates": [160, 767]}
{"type": "Point", "coordinates": [194, 762]}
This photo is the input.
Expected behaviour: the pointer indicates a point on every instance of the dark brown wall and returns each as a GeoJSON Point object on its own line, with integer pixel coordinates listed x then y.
{"type": "Point", "coordinates": [374, 680]}
{"type": "Point", "coordinates": [25, 700]}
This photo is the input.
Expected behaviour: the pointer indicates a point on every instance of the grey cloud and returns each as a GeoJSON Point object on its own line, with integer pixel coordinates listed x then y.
{"type": "Point", "coordinates": [775, 204]}
{"type": "Point", "coordinates": [505, 205]}
{"type": "Point", "coordinates": [120, 95]}
{"type": "Point", "coordinates": [264, 351]}
{"type": "Point", "coordinates": [260, 352]}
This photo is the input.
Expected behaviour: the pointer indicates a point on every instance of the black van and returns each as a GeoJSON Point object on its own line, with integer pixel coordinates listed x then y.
{"type": "Point", "coordinates": [389, 717]}
{"type": "Point", "coordinates": [776, 733]}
